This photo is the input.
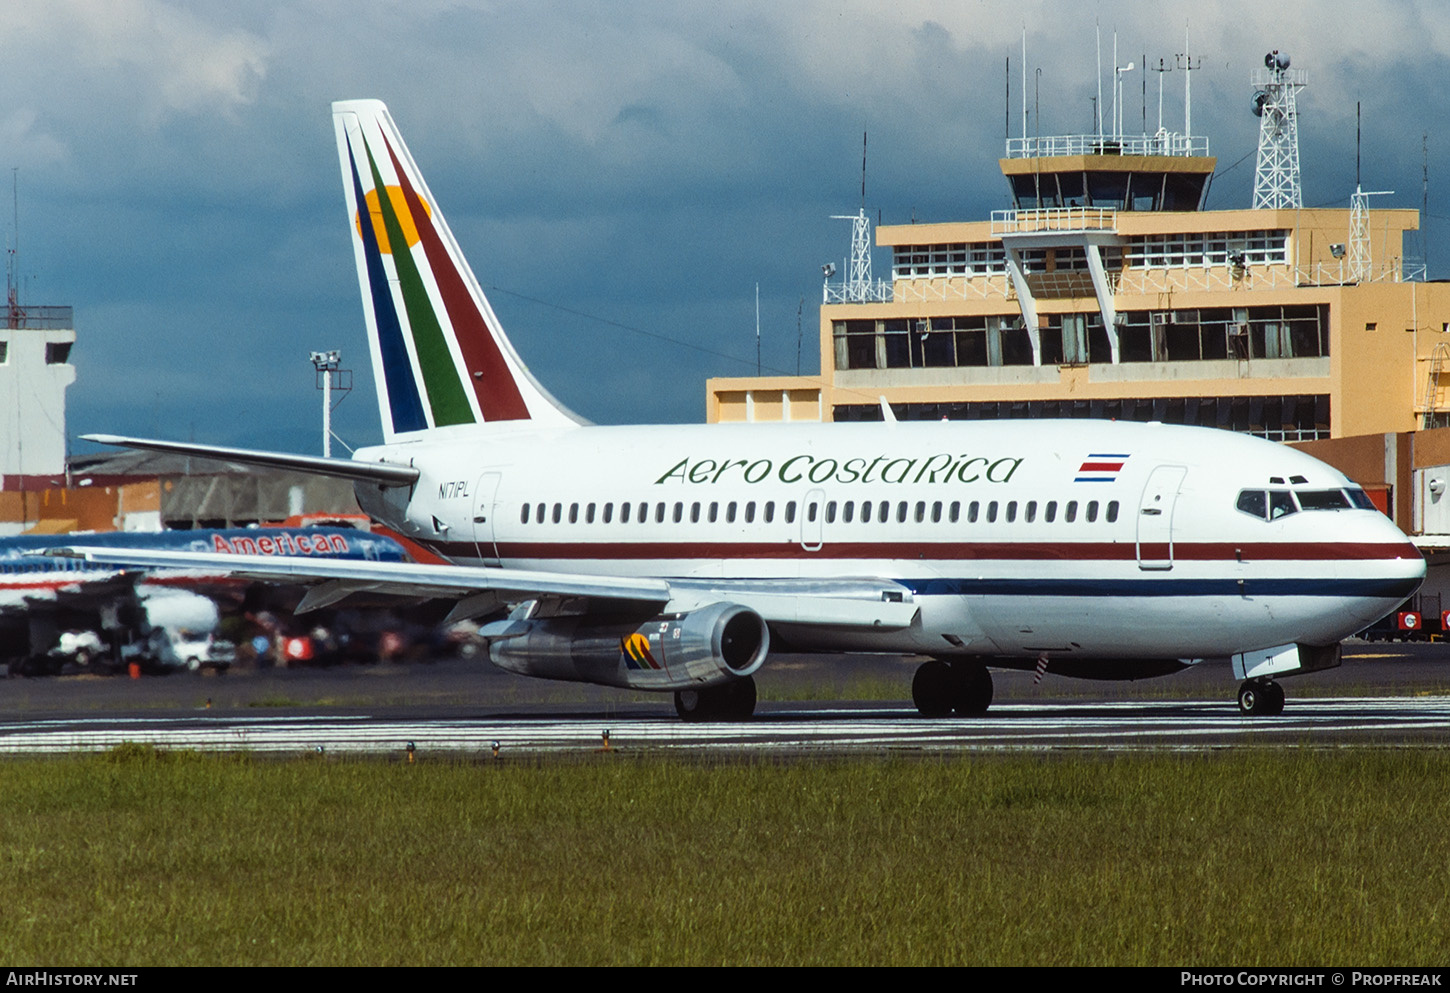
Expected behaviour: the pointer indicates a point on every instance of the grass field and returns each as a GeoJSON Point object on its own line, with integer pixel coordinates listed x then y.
{"type": "Point", "coordinates": [1252, 858]}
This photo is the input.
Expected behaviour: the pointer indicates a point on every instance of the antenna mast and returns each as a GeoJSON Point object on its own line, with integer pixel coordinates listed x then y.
{"type": "Point", "coordinates": [12, 288]}
{"type": "Point", "coordinates": [1276, 180]}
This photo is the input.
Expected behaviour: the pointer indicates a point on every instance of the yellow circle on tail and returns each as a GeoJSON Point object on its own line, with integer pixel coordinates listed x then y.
{"type": "Point", "coordinates": [399, 204]}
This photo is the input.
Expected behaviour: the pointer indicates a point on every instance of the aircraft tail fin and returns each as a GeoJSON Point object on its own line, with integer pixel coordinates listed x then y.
{"type": "Point", "coordinates": [439, 354]}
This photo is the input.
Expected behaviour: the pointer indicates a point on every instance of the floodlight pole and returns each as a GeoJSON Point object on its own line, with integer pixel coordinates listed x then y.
{"type": "Point", "coordinates": [327, 365]}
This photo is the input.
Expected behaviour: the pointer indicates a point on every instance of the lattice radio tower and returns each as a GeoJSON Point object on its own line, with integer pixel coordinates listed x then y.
{"type": "Point", "coordinates": [1276, 180]}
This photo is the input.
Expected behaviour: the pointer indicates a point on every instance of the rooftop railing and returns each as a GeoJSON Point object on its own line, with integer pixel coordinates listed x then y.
{"type": "Point", "coordinates": [1053, 219]}
{"type": "Point", "coordinates": [39, 318]}
{"type": "Point", "coordinates": [1162, 143]}
{"type": "Point", "coordinates": [877, 292]}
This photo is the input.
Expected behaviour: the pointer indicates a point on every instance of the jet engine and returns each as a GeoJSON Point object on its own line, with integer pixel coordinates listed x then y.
{"type": "Point", "coordinates": [700, 648]}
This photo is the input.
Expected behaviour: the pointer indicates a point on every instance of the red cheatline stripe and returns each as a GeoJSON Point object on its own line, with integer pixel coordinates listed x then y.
{"type": "Point", "coordinates": [1101, 467]}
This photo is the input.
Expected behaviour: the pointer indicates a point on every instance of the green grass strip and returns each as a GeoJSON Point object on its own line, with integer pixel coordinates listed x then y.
{"type": "Point", "coordinates": [1289, 857]}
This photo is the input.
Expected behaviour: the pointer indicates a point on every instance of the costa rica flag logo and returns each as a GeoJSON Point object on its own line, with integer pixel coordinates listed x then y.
{"type": "Point", "coordinates": [1101, 467]}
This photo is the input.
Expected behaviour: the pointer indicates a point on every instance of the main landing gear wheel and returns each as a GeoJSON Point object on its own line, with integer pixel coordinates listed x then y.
{"type": "Point", "coordinates": [1261, 698]}
{"type": "Point", "coordinates": [940, 689]}
{"type": "Point", "coordinates": [732, 701]}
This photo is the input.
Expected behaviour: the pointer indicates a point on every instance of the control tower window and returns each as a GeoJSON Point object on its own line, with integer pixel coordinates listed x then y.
{"type": "Point", "coordinates": [57, 352]}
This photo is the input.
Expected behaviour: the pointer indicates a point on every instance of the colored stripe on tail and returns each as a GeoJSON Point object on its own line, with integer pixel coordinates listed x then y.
{"type": "Point", "coordinates": [440, 357]}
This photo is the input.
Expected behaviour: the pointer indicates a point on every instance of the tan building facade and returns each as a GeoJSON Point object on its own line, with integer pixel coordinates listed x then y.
{"type": "Point", "coordinates": [1091, 300]}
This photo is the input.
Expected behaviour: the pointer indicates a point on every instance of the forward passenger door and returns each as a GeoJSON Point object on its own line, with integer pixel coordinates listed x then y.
{"type": "Point", "coordinates": [1155, 517]}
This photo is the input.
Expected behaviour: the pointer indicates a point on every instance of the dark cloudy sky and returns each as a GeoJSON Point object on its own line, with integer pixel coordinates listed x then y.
{"type": "Point", "coordinates": [642, 164]}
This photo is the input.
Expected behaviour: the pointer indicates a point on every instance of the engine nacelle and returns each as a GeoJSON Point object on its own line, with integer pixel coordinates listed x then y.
{"type": "Point", "coordinates": [704, 647]}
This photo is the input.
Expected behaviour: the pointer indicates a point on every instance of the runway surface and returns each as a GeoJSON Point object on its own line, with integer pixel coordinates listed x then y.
{"type": "Point", "coordinates": [1391, 696]}
{"type": "Point", "coordinates": [1194, 725]}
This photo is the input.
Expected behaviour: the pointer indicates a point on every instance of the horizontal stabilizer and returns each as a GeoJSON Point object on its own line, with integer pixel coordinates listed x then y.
{"type": "Point", "coordinates": [382, 473]}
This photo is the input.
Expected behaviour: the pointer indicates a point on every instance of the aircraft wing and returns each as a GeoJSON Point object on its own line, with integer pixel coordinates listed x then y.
{"type": "Point", "coordinates": [875, 604]}
{"type": "Point", "coordinates": [381, 473]}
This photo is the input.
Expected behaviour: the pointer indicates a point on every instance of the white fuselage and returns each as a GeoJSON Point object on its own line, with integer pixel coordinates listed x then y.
{"type": "Point", "coordinates": [1066, 539]}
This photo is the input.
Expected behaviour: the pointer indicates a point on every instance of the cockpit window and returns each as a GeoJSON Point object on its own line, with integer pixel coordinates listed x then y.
{"type": "Point", "coordinates": [1281, 504]}
{"type": "Point", "coordinates": [1252, 502]}
{"type": "Point", "coordinates": [1322, 499]}
{"type": "Point", "coordinates": [1267, 505]}
{"type": "Point", "coordinates": [1361, 499]}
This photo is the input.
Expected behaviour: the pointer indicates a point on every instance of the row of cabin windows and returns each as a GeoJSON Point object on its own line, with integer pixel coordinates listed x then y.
{"type": "Point", "coordinates": [847, 511]}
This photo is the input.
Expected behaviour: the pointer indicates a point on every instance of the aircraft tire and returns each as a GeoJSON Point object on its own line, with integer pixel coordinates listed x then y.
{"type": "Point", "coordinates": [732, 701]}
{"type": "Point", "coordinates": [934, 689]}
{"type": "Point", "coordinates": [692, 705]}
{"type": "Point", "coordinates": [738, 699]}
{"type": "Point", "coordinates": [973, 691]}
{"type": "Point", "coordinates": [1261, 698]}
{"type": "Point", "coordinates": [1276, 698]}
{"type": "Point", "coordinates": [1249, 698]}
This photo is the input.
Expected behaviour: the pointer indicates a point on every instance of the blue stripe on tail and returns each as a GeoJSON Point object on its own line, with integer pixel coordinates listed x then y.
{"type": "Point", "coordinates": [404, 402]}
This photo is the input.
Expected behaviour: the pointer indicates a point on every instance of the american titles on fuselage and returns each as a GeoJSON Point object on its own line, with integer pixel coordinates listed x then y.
{"type": "Point", "coordinates": [281, 543]}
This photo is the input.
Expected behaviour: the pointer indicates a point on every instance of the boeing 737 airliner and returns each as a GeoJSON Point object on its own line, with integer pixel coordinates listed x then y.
{"type": "Point", "coordinates": [682, 558]}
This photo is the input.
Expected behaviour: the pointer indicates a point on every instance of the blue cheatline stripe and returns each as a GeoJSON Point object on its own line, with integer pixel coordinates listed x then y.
{"type": "Point", "coordinates": [1396, 588]}
{"type": "Point", "coordinates": [404, 403]}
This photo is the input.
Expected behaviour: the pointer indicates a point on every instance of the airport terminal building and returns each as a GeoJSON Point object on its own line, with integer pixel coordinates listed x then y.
{"type": "Point", "coordinates": [1107, 292]}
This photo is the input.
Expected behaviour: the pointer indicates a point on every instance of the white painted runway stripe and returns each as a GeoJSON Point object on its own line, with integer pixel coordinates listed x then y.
{"type": "Point", "coordinates": [1133, 725]}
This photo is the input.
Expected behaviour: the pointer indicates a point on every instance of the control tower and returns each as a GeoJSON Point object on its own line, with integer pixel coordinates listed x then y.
{"type": "Point", "coordinates": [35, 369]}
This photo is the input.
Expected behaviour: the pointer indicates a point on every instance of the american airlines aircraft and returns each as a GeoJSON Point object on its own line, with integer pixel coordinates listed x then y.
{"type": "Point", "coordinates": [42, 595]}
{"type": "Point", "coordinates": [681, 558]}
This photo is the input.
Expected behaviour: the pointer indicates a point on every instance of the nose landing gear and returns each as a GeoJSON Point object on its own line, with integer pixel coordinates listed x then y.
{"type": "Point", "coordinates": [1261, 698]}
